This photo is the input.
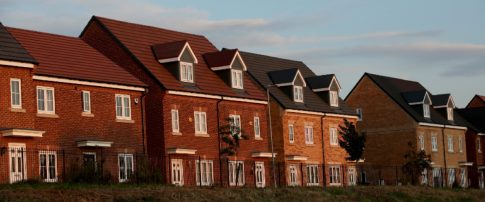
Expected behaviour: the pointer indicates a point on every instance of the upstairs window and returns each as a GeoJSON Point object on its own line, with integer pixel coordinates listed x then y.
{"type": "Point", "coordinates": [86, 96]}
{"type": "Point", "coordinates": [298, 93]}
{"type": "Point", "coordinates": [16, 93]}
{"type": "Point", "coordinates": [123, 107]}
{"type": "Point", "coordinates": [333, 136]}
{"type": "Point", "coordinates": [460, 144]}
{"type": "Point", "coordinates": [186, 72]}
{"type": "Point", "coordinates": [434, 143]}
{"type": "Point", "coordinates": [237, 79]}
{"type": "Point", "coordinates": [291, 133]}
{"type": "Point", "coordinates": [235, 124]}
{"type": "Point", "coordinates": [421, 142]}
{"type": "Point", "coordinates": [45, 100]}
{"type": "Point", "coordinates": [309, 134]}
{"type": "Point", "coordinates": [450, 144]}
{"type": "Point", "coordinates": [426, 110]}
{"type": "Point", "coordinates": [200, 122]}
{"type": "Point", "coordinates": [449, 111]}
{"type": "Point", "coordinates": [257, 130]}
{"type": "Point", "coordinates": [334, 98]}
{"type": "Point", "coordinates": [175, 121]}
{"type": "Point", "coordinates": [479, 145]}
{"type": "Point", "coordinates": [359, 114]}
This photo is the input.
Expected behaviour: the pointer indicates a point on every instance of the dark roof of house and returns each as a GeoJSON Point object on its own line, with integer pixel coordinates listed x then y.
{"type": "Point", "coordinates": [168, 50]}
{"type": "Point", "coordinates": [479, 97]}
{"type": "Point", "coordinates": [414, 96]}
{"type": "Point", "coordinates": [71, 58]}
{"type": "Point", "coordinates": [283, 76]}
{"type": "Point", "coordinates": [260, 65]}
{"type": "Point", "coordinates": [10, 48]}
{"type": "Point", "coordinates": [220, 58]}
{"type": "Point", "coordinates": [441, 99]}
{"type": "Point", "coordinates": [138, 39]}
{"type": "Point", "coordinates": [395, 88]}
{"type": "Point", "coordinates": [322, 81]}
{"type": "Point", "coordinates": [475, 117]}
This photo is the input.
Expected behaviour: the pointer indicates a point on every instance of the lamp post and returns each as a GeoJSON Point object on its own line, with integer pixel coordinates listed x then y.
{"type": "Point", "coordinates": [271, 135]}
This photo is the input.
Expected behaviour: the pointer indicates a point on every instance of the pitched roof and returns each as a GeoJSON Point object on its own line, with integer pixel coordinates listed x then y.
{"type": "Point", "coordinates": [321, 81]}
{"type": "Point", "coordinates": [220, 58]}
{"type": "Point", "coordinates": [138, 39]}
{"type": "Point", "coordinates": [395, 88]}
{"type": "Point", "coordinates": [260, 65]}
{"type": "Point", "coordinates": [480, 98]}
{"type": "Point", "coordinates": [414, 96]}
{"type": "Point", "coordinates": [283, 76]}
{"type": "Point", "coordinates": [441, 99]}
{"type": "Point", "coordinates": [168, 50]}
{"type": "Point", "coordinates": [475, 117]}
{"type": "Point", "coordinates": [71, 58]}
{"type": "Point", "coordinates": [10, 48]}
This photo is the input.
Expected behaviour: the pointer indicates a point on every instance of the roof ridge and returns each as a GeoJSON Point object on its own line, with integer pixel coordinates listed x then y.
{"type": "Point", "coordinates": [43, 32]}
{"type": "Point", "coordinates": [273, 57]}
{"type": "Point", "coordinates": [395, 78]}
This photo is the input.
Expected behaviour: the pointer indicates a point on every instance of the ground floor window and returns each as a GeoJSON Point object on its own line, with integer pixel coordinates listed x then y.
{"type": "Point", "coordinates": [259, 174]}
{"type": "Point", "coordinates": [352, 176]}
{"type": "Point", "coordinates": [17, 162]}
{"type": "Point", "coordinates": [177, 172]}
{"type": "Point", "coordinates": [424, 177]}
{"type": "Point", "coordinates": [334, 173]}
{"type": "Point", "coordinates": [204, 173]}
{"type": "Point", "coordinates": [463, 178]}
{"type": "Point", "coordinates": [481, 179]}
{"type": "Point", "coordinates": [293, 174]}
{"type": "Point", "coordinates": [125, 162]}
{"type": "Point", "coordinates": [312, 175]}
{"type": "Point", "coordinates": [451, 176]}
{"type": "Point", "coordinates": [48, 166]}
{"type": "Point", "coordinates": [437, 178]}
{"type": "Point", "coordinates": [236, 173]}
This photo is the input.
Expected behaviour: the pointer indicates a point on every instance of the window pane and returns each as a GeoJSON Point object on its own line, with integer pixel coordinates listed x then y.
{"type": "Point", "coordinates": [40, 100]}
{"type": "Point", "coordinates": [119, 108]}
{"type": "Point", "coordinates": [50, 100]}
{"type": "Point", "coordinates": [126, 104]}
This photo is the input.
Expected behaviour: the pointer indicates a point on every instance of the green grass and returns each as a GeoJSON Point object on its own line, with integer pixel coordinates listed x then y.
{"type": "Point", "coordinates": [131, 192]}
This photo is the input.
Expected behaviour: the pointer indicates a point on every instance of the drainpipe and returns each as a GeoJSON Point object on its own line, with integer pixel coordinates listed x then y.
{"type": "Point", "coordinates": [219, 140]}
{"type": "Point", "coordinates": [444, 154]}
{"type": "Point", "coordinates": [143, 120]}
{"type": "Point", "coordinates": [271, 135]}
{"type": "Point", "coordinates": [323, 148]}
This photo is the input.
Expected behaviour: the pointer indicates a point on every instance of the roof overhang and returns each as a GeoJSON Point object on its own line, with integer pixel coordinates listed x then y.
{"type": "Point", "coordinates": [94, 143]}
{"type": "Point", "coordinates": [17, 64]}
{"type": "Point", "coordinates": [262, 154]}
{"type": "Point", "coordinates": [465, 163]}
{"type": "Point", "coordinates": [304, 112]}
{"type": "Point", "coordinates": [359, 161]}
{"type": "Point", "coordinates": [481, 167]}
{"type": "Point", "coordinates": [87, 83]}
{"type": "Point", "coordinates": [21, 133]}
{"type": "Point", "coordinates": [296, 158]}
{"type": "Point", "coordinates": [442, 126]}
{"type": "Point", "coordinates": [481, 134]}
{"type": "Point", "coordinates": [178, 58]}
{"type": "Point", "coordinates": [181, 151]}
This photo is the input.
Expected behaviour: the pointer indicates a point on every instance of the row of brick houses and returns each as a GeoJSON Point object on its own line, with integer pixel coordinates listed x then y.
{"type": "Point", "coordinates": [122, 90]}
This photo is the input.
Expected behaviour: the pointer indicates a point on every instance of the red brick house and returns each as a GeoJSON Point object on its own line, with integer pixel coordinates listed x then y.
{"type": "Point", "coordinates": [193, 88]}
{"type": "Point", "coordinates": [59, 108]}
{"type": "Point", "coordinates": [475, 140]}
{"type": "Point", "coordinates": [306, 112]}
{"type": "Point", "coordinates": [396, 112]}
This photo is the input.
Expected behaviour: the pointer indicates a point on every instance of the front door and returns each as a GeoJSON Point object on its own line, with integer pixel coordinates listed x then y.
{"type": "Point", "coordinates": [17, 162]}
{"type": "Point", "coordinates": [89, 161]}
{"type": "Point", "coordinates": [260, 181]}
{"type": "Point", "coordinates": [177, 172]}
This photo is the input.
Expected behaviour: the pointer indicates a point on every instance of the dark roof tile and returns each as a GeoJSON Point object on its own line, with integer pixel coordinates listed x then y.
{"type": "Point", "coordinates": [283, 76]}
{"type": "Point", "coordinates": [168, 50]}
{"type": "Point", "coordinates": [318, 82]}
{"type": "Point", "coordinates": [10, 48]}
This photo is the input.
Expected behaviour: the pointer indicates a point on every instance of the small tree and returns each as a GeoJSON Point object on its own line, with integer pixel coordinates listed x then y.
{"type": "Point", "coordinates": [351, 141]}
{"type": "Point", "coordinates": [231, 134]}
{"type": "Point", "coordinates": [416, 163]}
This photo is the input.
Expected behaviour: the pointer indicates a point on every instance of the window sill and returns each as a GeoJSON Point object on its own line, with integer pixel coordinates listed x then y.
{"type": "Point", "coordinates": [258, 138]}
{"type": "Point", "coordinates": [87, 114]}
{"type": "Point", "coordinates": [177, 133]}
{"type": "Point", "coordinates": [202, 135]}
{"type": "Point", "coordinates": [309, 144]}
{"type": "Point", "coordinates": [435, 151]}
{"type": "Point", "coordinates": [17, 110]}
{"type": "Point", "coordinates": [334, 145]}
{"type": "Point", "coordinates": [48, 115]}
{"type": "Point", "coordinates": [124, 121]}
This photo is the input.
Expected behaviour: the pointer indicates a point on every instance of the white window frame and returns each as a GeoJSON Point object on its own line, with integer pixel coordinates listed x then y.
{"type": "Point", "coordinates": [434, 143]}
{"type": "Point", "coordinates": [291, 133]}
{"type": "Point", "coordinates": [257, 128]}
{"type": "Point", "coordinates": [334, 98]}
{"type": "Point", "coordinates": [48, 165]}
{"type": "Point", "coordinates": [426, 112]}
{"type": "Point", "coordinates": [450, 144]}
{"type": "Point", "coordinates": [451, 172]}
{"type": "Point", "coordinates": [236, 122]}
{"type": "Point", "coordinates": [232, 173]}
{"type": "Point", "coordinates": [421, 141]}
{"type": "Point", "coordinates": [479, 145]}
{"type": "Point", "coordinates": [335, 174]}
{"type": "Point", "coordinates": [206, 168]}
{"type": "Point", "coordinates": [424, 177]}
{"type": "Point", "coordinates": [298, 93]}
{"type": "Point", "coordinates": [360, 116]}
{"type": "Point", "coordinates": [86, 103]}
{"type": "Point", "coordinates": [312, 175]}
{"type": "Point", "coordinates": [460, 144]}
{"type": "Point", "coordinates": [293, 175]}
{"type": "Point", "coordinates": [237, 80]}
{"type": "Point", "coordinates": [45, 100]}
{"type": "Point", "coordinates": [126, 169]}
{"type": "Point", "coordinates": [19, 104]}
{"type": "Point", "coordinates": [177, 172]}
{"type": "Point", "coordinates": [187, 76]}
{"type": "Point", "coordinates": [198, 123]}
{"type": "Point", "coordinates": [449, 113]}
{"type": "Point", "coordinates": [463, 178]}
{"type": "Point", "coordinates": [352, 175]}
{"type": "Point", "coordinates": [333, 136]}
{"type": "Point", "coordinates": [123, 106]}
{"type": "Point", "coordinates": [259, 174]}
{"type": "Point", "coordinates": [308, 134]}
{"type": "Point", "coordinates": [175, 120]}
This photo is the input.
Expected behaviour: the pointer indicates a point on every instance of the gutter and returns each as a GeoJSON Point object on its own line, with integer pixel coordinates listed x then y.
{"type": "Point", "coordinates": [323, 150]}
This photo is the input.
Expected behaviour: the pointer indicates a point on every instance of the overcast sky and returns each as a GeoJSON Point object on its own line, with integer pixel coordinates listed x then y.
{"type": "Point", "coordinates": [440, 43]}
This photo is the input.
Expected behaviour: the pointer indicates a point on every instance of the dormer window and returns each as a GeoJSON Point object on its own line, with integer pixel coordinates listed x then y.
{"type": "Point", "coordinates": [237, 79]}
{"type": "Point", "coordinates": [449, 113]}
{"type": "Point", "coordinates": [426, 113]}
{"type": "Point", "coordinates": [334, 98]}
{"type": "Point", "coordinates": [186, 72]}
{"type": "Point", "coordinates": [297, 93]}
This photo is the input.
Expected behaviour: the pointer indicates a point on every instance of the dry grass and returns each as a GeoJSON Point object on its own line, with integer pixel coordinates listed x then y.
{"type": "Point", "coordinates": [65, 192]}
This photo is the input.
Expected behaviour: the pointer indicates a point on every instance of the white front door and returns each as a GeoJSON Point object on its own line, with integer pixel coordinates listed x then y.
{"type": "Point", "coordinates": [177, 172]}
{"type": "Point", "coordinates": [260, 181]}
{"type": "Point", "coordinates": [17, 162]}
